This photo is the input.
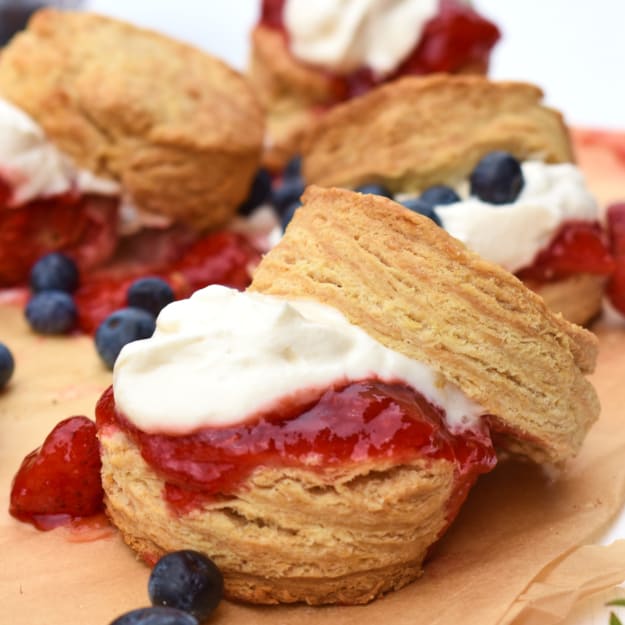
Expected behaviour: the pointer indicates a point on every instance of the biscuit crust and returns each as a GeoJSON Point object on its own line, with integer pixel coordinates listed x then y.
{"type": "Point", "coordinates": [289, 92]}
{"type": "Point", "coordinates": [179, 129]}
{"type": "Point", "coordinates": [419, 291]}
{"type": "Point", "coordinates": [290, 535]}
{"type": "Point", "coordinates": [579, 298]}
{"type": "Point", "coordinates": [418, 132]}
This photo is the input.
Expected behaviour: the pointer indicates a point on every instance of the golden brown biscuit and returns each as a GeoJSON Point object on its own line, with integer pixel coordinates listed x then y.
{"type": "Point", "coordinates": [291, 93]}
{"type": "Point", "coordinates": [295, 93]}
{"type": "Point", "coordinates": [180, 130]}
{"type": "Point", "coordinates": [421, 292]}
{"type": "Point", "coordinates": [291, 535]}
{"type": "Point", "coordinates": [352, 532]}
{"type": "Point", "coordinates": [578, 298]}
{"type": "Point", "coordinates": [418, 132]}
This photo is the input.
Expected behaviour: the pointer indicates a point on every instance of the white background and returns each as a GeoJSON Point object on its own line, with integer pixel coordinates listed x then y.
{"type": "Point", "coordinates": [575, 49]}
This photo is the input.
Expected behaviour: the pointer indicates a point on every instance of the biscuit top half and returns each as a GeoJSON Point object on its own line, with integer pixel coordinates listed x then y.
{"type": "Point", "coordinates": [161, 117]}
{"type": "Point", "coordinates": [418, 132]}
{"type": "Point", "coordinates": [419, 291]}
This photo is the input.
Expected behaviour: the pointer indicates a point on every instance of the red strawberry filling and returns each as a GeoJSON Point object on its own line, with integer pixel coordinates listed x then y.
{"type": "Point", "coordinates": [60, 481]}
{"type": "Point", "coordinates": [220, 258]}
{"type": "Point", "coordinates": [455, 39]}
{"type": "Point", "coordinates": [360, 422]}
{"type": "Point", "coordinates": [577, 247]}
{"type": "Point", "coordinates": [82, 226]}
{"type": "Point", "coordinates": [85, 227]}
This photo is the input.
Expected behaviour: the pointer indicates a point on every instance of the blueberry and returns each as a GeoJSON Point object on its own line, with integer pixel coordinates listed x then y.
{"type": "Point", "coordinates": [288, 192]}
{"type": "Point", "coordinates": [417, 205]}
{"type": "Point", "coordinates": [288, 214]}
{"type": "Point", "coordinates": [293, 169]}
{"type": "Point", "coordinates": [51, 312]}
{"type": "Point", "coordinates": [151, 294]}
{"type": "Point", "coordinates": [54, 272]}
{"type": "Point", "coordinates": [260, 192]}
{"type": "Point", "coordinates": [7, 365]}
{"type": "Point", "coordinates": [374, 189]}
{"type": "Point", "coordinates": [121, 327]}
{"type": "Point", "coordinates": [439, 195]}
{"type": "Point", "coordinates": [155, 616]}
{"type": "Point", "coordinates": [497, 178]}
{"type": "Point", "coordinates": [186, 580]}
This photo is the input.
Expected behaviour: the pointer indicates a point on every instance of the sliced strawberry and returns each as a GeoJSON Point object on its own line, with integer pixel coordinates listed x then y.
{"type": "Point", "coordinates": [84, 227]}
{"type": "Point", "coordinates": [60, 481]}
{"type": "Point", "coordinates": [578, 247]}
{"type": "Point", "coordinates": [615, 218]}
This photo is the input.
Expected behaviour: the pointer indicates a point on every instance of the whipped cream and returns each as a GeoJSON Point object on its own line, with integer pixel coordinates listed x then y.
{"type": "Point", "coordinates": [511, 235]}
{"type": "Point", "coordinates": [343, 35]}
{"type": "Point", "coordinates": [34, 167]}
{"type": "Point", "coordinates": [222, 356]}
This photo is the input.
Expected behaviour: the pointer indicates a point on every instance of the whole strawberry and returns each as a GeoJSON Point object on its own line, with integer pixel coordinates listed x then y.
{"type": "Point", "coordinates": [615, 217]}
{"type": "Point", "coordinates": [60, 480]}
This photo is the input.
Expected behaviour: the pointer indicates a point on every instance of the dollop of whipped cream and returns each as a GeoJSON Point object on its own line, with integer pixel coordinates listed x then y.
{"type": "Point", "coordinates": [34, 167]}
{"type": "Point", "coordinates": [222, 356]}
{"type": "Point", "coordinates": [511, 235]}
{"type": "Point", "coordinates": [343, 35]}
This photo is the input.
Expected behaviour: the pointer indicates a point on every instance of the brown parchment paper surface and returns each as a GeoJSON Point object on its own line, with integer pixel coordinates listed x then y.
{"type": "Point", "coordinates": [515, 554]}
{"type": "Point", "coordinates": [521, 551]}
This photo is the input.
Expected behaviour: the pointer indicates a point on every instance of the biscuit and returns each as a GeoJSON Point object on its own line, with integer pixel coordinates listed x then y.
{"type": "Point", "coordinates": [354, 531]}
{"type": "Point", "coordinates": [290, 535]}
{"type": "Point", "coordinates": [579, 298]}
{"type": "Point", "coordinates": [289, 91]}
{"type": "Point", "coordinates": [180, 130]}
{"type": "Point", "coordinates": [421, 292]}
{"type": "Point", "coordinates": [418, 132]}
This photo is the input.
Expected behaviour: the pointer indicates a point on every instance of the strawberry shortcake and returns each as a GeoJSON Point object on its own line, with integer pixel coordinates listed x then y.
{"type": "Point", "coordinates": [316, 434]}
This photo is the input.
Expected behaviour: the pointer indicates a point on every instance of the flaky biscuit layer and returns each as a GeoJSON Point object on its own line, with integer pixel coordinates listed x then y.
{"type": "Point", "coordinates": [290, 535]}
{"type": "Point", "coordinates": [419, 291]}
{"type": "Point", "coordinates": [180, 130]}
{"type": "Point", "coordinates": [418, 132]}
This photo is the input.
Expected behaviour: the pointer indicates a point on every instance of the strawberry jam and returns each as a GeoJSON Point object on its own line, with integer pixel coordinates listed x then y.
{"type": "Point", "coordinates": [82, 226]}
{"type": "Point", "coordinates": [363, 421]}
{"type": "Point", "coordinates": [224, 258]}
{"type": "Point", "coordinates": [59, 483]}
{"type": "Point", "coordinates": [456, 39]}
{"type": "Point", "coordinates": [578, 247]}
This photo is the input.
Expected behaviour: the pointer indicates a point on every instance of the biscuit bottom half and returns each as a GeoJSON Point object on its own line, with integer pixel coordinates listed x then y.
{"type": "Point", "coordinates": [292, 534]}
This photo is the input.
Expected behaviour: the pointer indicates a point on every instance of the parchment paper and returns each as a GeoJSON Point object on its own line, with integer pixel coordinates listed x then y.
{"type": "Point", "coordinates": [512, 553]}
{"type": "Point", "coordinates": [519, 553]}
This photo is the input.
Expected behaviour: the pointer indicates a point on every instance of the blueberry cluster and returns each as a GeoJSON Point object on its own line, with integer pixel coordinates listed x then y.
{"type": "Point", "coordinates": [496, 179]}
{"type": "Point", "coordinates": [51, 308]}
{"type": "Point", "coordinates": [146, 297]}
{"type": "Point", "coordinates": [185, 588]}
{"type": "Point", "coordinates": [283, 194]}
